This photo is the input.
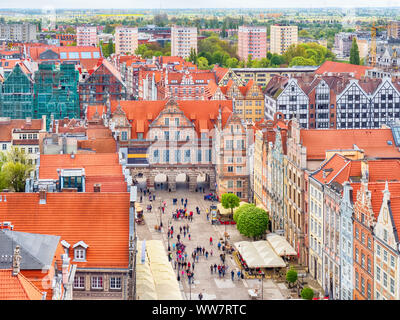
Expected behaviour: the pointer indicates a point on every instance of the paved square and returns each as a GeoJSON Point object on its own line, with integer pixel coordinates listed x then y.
{"type": "Point", "coordinates": [200, 229]}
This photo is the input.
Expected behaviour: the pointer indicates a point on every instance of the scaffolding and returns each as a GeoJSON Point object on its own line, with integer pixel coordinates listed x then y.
{"type": "Point", "coordinates": [16, 99]}
{"type": "Point", "coordinates": [56, 91]}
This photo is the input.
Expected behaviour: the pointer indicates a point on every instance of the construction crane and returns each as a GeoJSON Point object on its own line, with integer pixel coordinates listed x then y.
{"type": "Point", "coordinates": [372, 59]}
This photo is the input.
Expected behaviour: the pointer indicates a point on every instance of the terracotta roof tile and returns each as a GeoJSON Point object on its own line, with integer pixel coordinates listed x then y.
{"type": "Point", "coordinates": [17, 287]}
{"type": "Point", "coordinates": [99, 219]}
{"type": "Point", "coordinates": [374, 142]}
{"type": "Point", "coordinates": [339, 67]}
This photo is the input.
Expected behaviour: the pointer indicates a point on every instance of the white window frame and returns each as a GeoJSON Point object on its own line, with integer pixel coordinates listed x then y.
{"type": "Point", "coordinates": [95, 280]}
{"type": "Point", "coordinates": [79, 282]}
{"type": "Point", "coordinates": [115, 283]}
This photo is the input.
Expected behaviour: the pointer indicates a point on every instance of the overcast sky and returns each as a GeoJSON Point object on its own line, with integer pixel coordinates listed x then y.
{"type": "Point", "coordinates": [140, 4]}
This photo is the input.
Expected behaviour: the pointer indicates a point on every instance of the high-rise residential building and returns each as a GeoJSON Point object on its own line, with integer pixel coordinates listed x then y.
{"type": "Point", "coordinates": [126, 40]}
{"type": "Point", "coordinates": [24, 32]}
{"type": "Point", "coordinates": [394, 29]}
{"type": "Point", "coordinates": [252, 41]}
{"type": "Point", "coordinates": [183, 39]}
{"type": "Point", "coordinates": [86, 36]}
{"type": "Point", "coordinates": [282, 37]}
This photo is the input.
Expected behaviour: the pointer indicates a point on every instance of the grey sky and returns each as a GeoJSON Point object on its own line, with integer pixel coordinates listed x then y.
{"type": "Point", "coordinates": [132, 4]}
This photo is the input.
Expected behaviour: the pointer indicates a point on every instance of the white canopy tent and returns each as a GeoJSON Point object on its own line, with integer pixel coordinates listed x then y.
{"type": "Point", "coordinates": [155, 278]}
{"type": "Point", "coordinates": [259, 254]}
{"type": "Point", "coordinates": [280, 245]}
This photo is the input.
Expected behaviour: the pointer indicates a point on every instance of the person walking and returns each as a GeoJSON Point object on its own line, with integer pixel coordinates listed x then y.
{"type": "Point", "coordinates": [180, 229]}
{"type": "Point", "coordinates": [211, 241]}
{"type": "Point", "coordinates": [193, 266]}
{"type": "Point", "coordinates": [182, 201]}
{"type": "Point", "coordinates": [175, 264]}
{"type": "Point", "coordinates": [238, 275]}
{"type": "Point", "coordinates": [197, 258]}
{"type": "Point", "coordinates": [219, 245]}
{"type": "Point", "coordinates": [206, 255]}
{"type": "Point", "coordinates": [211, 268]}
{"type": "Point", "coordinates": [215, 267]}
{"type": "Point", "coordinates": [189, 236]}
{"type": "Point", "coordinates": [233, 274]}
{"type": "Point", "coordinates": [200, 296]}
{"type": "Point", "coordinates": [211, 252]}
{"type": "Point", "coordinates": [184, 234]}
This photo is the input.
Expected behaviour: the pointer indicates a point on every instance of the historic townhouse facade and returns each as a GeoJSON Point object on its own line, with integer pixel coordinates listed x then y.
{"type": "Point", "coordinates": [276, 191]}
{"type": "Point", "coordinates": [294, 181]}
{"type": "Point", "coordinates": [386, 244]}
{"type": "Point", "coordinates": [363, 243]}
{"type": "Point", "coordinates": [346, 241]}
{"type": "Point", "coordinates": [316, 229]}
{"type": "Point", "coordinates": [335, 101]}
{"type": "Point", "coordinates": [232, 146]}
{"type": "Point", "coordinates": [286, 96]}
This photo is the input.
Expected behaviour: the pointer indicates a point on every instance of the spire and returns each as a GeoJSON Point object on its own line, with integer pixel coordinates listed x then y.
{"type": "Point", "coordinates": [386, 192]}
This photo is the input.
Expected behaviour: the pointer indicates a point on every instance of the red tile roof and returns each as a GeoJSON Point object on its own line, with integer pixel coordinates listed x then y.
{"type": "Point", "coordinates": [220, 72]}
{"type": "Point", "coordinates": [330, 169]}
{"type": "Point", "coordinates": [7, 126]}
{"type": "Point", "coordinates": [17, 287]}
{"type": "Point", "coordinates": [99, 219]}
{"type": "Point", "coordinates": [139, 112]}
{"type": "Point", "coordinates": [339, 67]}
{"type": "Point", "coordinates": [102, 168]}
{"type": "Point", "coordinates": [374, 142]}
{"type": "Point", "coordinates": [35, 51]}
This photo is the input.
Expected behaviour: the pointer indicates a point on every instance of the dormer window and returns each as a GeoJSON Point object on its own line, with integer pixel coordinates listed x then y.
{"type": "Point", "coordinates": [80, 251]}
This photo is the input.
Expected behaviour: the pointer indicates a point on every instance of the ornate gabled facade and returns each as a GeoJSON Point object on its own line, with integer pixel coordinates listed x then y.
{"type": "Point", "coordinates": [387, 245]}
{"type": "Point", "coordinates": [294, 181]}
{"type": "Point", "coordinates": [276, 191]}
{"type": "Point", "coordinates": [363, 255]}
{"type": "Point", "coordinates": [346, 242]}
{"type": "Point", "coordinates": [232, 145]}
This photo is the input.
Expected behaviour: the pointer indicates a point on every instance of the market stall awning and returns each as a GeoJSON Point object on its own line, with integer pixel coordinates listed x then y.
{"type": "Point", "coordinates": [259, 254]}
{"type": "Point", "coordinates": [280, 245]}
{"type": "Point", "coordinates": [156, 280]}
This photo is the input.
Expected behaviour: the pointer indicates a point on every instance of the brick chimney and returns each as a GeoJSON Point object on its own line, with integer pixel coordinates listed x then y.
{"type": "Point", "coordinates": [42, 196]}
{"type": "Point", "coordinates": [97, 187]}
{"type": "Point", "coordinates": [16, 263]}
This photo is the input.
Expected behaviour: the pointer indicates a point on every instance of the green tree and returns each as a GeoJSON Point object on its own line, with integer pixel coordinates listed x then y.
{"type": "Point", "coordinates": [230, 201]}
{"type": "Point", "coordinates": [110, 48]}
{"type": "Point", "coordinates": [237, 212]}
{"type": "Point", "coordinates": [252, 222]}
{"type": "Point", "coordinates": [202, 63]}
{"type": "Point", "coordinates": [232, 63]}
{"type": "Point", "coordinates": [193, 56]}
{"type": "Point", "coordinates": [15, 170]}
{"type": "Point", "coordinates": [307, 293]}
{"type": "Point", "coordinates": [300, 61]}
{"type": "Point", "coordinates": [141, 50]}
{"type": "Point", "coordinates": [70, 30]}
{"type": "Point", "coordinates": [354, 53]}
{"type": "Point", "coordinates": [249, 63]}
{"type": "Point", "coordinates": [291, 276]}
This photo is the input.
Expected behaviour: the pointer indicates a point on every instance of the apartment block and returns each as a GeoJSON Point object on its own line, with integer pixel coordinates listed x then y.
{"type": "Point", "coordinates": [282, 37]}
{"type": "Point", "coordinates": [252, 40]}
{"type": "Point", "coordinates": [183, 39]}
{"type": "Point", "coordinates": [24, 32]}
{"type": "Point", "coordinates": [126, 40]}
{"type": "Point", "coordinates": [394, 30]}
{"type": "Point", "coordinates": [86, 36]}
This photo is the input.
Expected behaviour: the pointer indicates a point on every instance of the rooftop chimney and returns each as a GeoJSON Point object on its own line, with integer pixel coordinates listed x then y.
{"type": "Point", "coordinates": [97, 187]}
{"type": "Point", "coordinates": [42, 196]}
{"type": "Point", "coordinates": [16, 261]}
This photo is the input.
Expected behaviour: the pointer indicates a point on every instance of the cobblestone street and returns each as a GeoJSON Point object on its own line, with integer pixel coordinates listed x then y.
{"type": "Point", "coordinates": [210, 285]}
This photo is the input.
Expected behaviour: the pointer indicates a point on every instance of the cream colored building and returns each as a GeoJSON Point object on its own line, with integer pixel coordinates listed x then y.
{"type": "Point", "coordinates": [183, 39]}
{"type": "Point", "coordinates": [282, 37]}
{"type": "Point", "coordinates": [126, 40]}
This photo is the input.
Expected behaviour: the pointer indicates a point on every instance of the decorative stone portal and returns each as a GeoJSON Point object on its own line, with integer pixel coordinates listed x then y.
{"type": "Point", "coordinates": [185, 176]}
